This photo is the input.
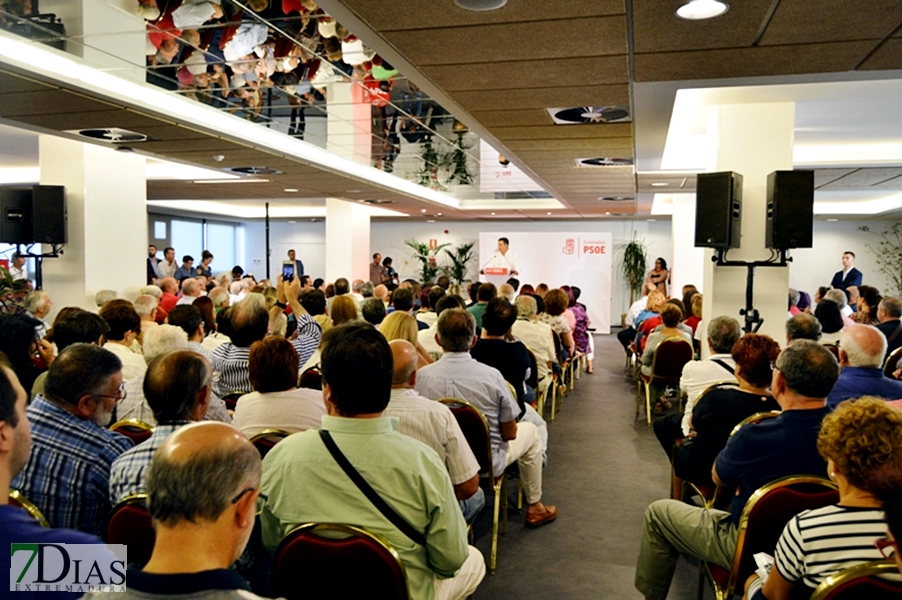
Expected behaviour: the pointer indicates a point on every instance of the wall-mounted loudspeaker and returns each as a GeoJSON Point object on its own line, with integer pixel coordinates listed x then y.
{"type": "Point", "coordinates": [790, 209]}
{"type": "Point", "coordinates": [15, 215]}
{"type": "Point", "coordinates": [718, 210]}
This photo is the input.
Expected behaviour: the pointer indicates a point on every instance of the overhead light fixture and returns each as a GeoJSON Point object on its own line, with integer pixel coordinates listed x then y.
{"type": "Point", "coordinates": [480, 5]}
{"type": "Point", "coordinates": [431, 221]}
{"type": "Point", "coordinates": [423, 210]}
{"type": "Point", "coordinates": [696, 10]}
{"type": "Point", "coordinates": [548, 213]}
{"type": "Point", "coordinates": [232, 181]}
{"type": "Point", "coordinates": [659, 184]}
{"type": "Point", "coordinates": [833, 220]}
{"type": "Point", "coordinates": [493, 214]}
{"type": "Point", "coordinates": [650, 220]}
{"type": "Point", "coordinates": [353, 191]}
{"type": "Point", "coordinates": [290, 190]}
{"type": "Point", "coordinates": [438, 214]}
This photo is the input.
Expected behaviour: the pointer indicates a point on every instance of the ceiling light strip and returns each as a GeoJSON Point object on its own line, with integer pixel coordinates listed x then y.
{"type": "Point", "coordinates": [56, 65]}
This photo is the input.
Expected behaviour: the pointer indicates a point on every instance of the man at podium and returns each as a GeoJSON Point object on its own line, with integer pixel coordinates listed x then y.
{"type": "Point", "coordinates": [503, 259]}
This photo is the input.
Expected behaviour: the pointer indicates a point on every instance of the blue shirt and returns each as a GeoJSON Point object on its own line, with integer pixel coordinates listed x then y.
{"type": "Point", "coordinates": [17, 526]}
{"type": "Point", "coordinates": [183, 273]}
{"type": "Point", "coordinates": [68, 470]}
{"type": "Point", "coordinates": [129, 472]}
{"type": "Point", "coordinates": [761, 453]}
{"type": "Point", "coordinates": [855, 382]}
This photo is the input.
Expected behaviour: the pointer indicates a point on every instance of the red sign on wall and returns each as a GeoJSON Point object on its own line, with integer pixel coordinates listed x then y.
{"type": "Point", "coordinates": [433, 244]}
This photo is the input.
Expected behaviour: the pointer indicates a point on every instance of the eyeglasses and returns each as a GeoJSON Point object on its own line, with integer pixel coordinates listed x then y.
{"type": "Point", "coordinates": [883, 544]}
{"type": "Point", "coordinates": [263, 497]}
{"type": "Point", "coordinates": [121, 394]}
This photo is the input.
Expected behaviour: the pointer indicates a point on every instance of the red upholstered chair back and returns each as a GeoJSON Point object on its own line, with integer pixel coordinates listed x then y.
{"type": "Point", "coordinates": [231, 399]}
{"type": "Point", "coordinates": [136, 430]}
{"type": "Point", "coordinates": [475, 428]}
{"type": "Point", "coordinates": [130, 524]}
{"type": "Point", "coordinates": [889, 366]}
{"type": "Point", "coordinates": [861, 581]}
{"type": "Point", "coordinates": [349, 561]}
{"type": "Point", "coordinates": [671, 356]}
{"type": "Point", "coordinates": [312, 379]}
{"type": "Point", "coordinates": [267, 439]}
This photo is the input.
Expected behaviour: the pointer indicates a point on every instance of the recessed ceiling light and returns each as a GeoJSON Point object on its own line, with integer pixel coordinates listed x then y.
{"type": "Point", "coordinates": [832, 220]}
{"type": "Point", "coordinates": [696, 10]}
{"type": "Point", "coordinates": [650, 220]}
{"type": "Point", "coordinates": [480, 5]}
{"type": "Point", "coordinates": [607, 213]}
{"type": "Point", "coordinates": [659, 184]}
{"type": "Point", "coordinates": [292, 221]}
{"type": "Point", "coordinates": [353, 191]}
{"type": "Point", "coordinates": [291, 190]}
{"type": "Point", "coordinates": [423, 210]}
{"type": "Point", "coordinates": [438, 214]}
{"type": "Point", "coordinates": [548, 213]}
{"type": "Point", "coordinates": [493, 214]}
{"type": "Point", "coordinates": [431, 221]}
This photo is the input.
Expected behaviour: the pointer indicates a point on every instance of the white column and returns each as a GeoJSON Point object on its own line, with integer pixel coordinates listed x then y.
{"type": "Point", "coordinates": [688, 266]}
{"type": "Point", "coordinates": [347, 240]}
{"type": "Point", "coordinates": [349, 123]}
{"type": "Point", "coordinates": [754, 140]}
{"type": "Point", "coordinates": [106, 198]}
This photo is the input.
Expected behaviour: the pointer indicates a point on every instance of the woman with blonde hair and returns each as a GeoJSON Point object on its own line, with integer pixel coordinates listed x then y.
{"type": "Point", "coordinates": [860, 440]}
{"type": "Point", "coordinates": [556, 302]}
{"type": "Point", "coordinates": [401, 326]}
{"type": "Point", "coordinates": [344, 309]}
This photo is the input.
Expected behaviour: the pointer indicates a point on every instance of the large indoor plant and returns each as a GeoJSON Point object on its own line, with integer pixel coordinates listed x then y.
{"type": "Point", "coordinates": [888, 254]}
{"type": "Point", "coordinates": [12, 294]}
{"type": "Point", "coordinates": [460, 257]}
{"type": "Point", "coordinates": [633, 264]}
{"type": "Point", "coordinates": [426, 255]}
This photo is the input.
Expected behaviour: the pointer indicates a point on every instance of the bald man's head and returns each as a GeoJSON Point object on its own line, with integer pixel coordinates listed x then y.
{"type": "Point", "coordinates": [198, 471]}
{"type": "Point", "coordinates": [404, 357]}
{"type": "Point", "coordinates": [862, 346]}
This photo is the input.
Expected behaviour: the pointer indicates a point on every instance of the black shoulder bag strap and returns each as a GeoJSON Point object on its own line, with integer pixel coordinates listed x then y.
{"type": "Point", "coordinates": [371, 494]}
{"type": "Point", "coordinates": [724, 365]}
{"type": "Point", "coordinates": [895, 333]}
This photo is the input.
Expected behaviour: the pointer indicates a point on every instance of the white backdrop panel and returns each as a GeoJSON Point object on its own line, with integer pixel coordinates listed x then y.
{"type": "Point", "coordinates": [577, 258]}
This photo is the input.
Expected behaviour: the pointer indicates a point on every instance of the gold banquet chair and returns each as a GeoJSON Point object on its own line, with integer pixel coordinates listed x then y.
{"type": "Point", "coordinates": [17, 499]}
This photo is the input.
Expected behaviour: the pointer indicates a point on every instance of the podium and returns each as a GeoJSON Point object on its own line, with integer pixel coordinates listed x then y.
{"type": "Point", "coordinates": [496, 275]}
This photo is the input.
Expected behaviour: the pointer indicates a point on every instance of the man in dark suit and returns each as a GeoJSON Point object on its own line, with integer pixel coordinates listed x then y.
{"type": "Point", "coordinates": [889, 312]}
{"type": "Point", "coordinates": [849, 275]}
{"type": "Point", "coordinates": [298, 265]}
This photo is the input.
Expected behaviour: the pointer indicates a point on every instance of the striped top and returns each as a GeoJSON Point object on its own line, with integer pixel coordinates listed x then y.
{"type": "Point", "coordinates": [230, 361]}
{"type": "Point", "coordinates": [818, 543]}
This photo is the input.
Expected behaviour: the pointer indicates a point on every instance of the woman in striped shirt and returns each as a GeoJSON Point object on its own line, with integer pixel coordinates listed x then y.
{"type": "Point", "coordinates": [858, 439]}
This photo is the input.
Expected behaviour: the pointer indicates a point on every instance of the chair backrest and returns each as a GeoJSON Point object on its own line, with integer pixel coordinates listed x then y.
{"type": "Point", "coordinates": [533, 379]}
{"type": "Point", "coordinates": [833, 347]}
{"type": "Point", "coordinates": [267, 439]}
{"type": "Point", "coordinates": [231, 399]}
{"type": "Point", "coordinates": [671, 356]}
{"type": "Point", "coordinates": [351, 561]}
{"type": "Point", "coordinates": [134, 429]}
{"type": "Point", "coordinates": [129, 523]}
{"type": "Point", "coordinates": [17, 499]}
{"type": "Point", "coordinates": [755, 418]}
{"type": "Point", "coordinates": [475, 428]}
{"type": "Point", "coordinates": [312, 379]}
{"type": "Point", "coordinates": [889, 366]}
{"type": "Point", "coordinates": [768, 511]}
{"type": "Point", "coordinates": [861, 581]}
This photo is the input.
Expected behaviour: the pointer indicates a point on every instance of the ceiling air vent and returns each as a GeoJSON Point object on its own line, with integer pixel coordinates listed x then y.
{"type": "Point", "coordinates": [604, 162]}
{"type": "Point", "coordinates": [255, 170]}
{"type": "Point", "coordinates": [113, 135]}
{"type": "Point", "coordinates": [378, 201]}
{"type": "Point", "coordinates": [589, 114]}
{"type": "Point", "coordinates": [616, 198]}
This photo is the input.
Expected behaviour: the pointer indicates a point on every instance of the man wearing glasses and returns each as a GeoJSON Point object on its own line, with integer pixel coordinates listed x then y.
{"type": "Point", "coordinates": [68, 468]}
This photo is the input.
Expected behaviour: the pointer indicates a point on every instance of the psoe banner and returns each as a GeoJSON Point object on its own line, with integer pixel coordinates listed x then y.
{"type": "Point", "coordinates": [576, 259]}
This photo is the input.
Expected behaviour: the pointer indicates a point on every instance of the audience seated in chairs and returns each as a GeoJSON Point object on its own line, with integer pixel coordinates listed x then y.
{"type": "Point", "coordinates": [177, 386]}
{"type": "Point", "coordinates": [670, 318]}
{"type": "Point", "coordinates": [556, 302]}
{"type": "Point", "coordinates": [277, 402]}
{"type": "Point", "coordinates": [433, 424]}
{"type": "Point", "coordinates": [802, 326]}
{"type": "Point", "coordinates": [720, 410]}
{"type": "Point", "coordinates": [203, 485]}
{"type": "Point", "coordinates": [426, 337]}
{"type": "Point", "coordinates": [458, 375]}
{"type": "Point", "coordinates": [889, 312]}
{"type": "Point", "coordinates": [16, 525]}
{"type": "Point", "coordinates": [861, 352]}
{"type": "Point", "coordinates": [302, 483]}
{"type": "Point", "coordinates": [125, 326]}
{"type": "Point", "coordinates": [403, 326]}
{"type": "Point", "coordinates": [859, 439]}
{"type": "Point", "coordinates": [787, 445]}
{"type": "Point", "coordinates": [538, 339]}
{"type": "Point", "coordinates": [68, 469]}
{"type": "Point", "coordinates": [723, 333]}
{"type": "Point", "coordinates": [188, 317]}
{"type": "Point", "coordinates": [19, 342]}
{"type": "Point", "coordinates": [72, 326]}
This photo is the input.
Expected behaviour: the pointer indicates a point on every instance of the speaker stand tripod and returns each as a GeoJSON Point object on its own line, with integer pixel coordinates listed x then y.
{"type": "Point", "coordinates": [753, 320]}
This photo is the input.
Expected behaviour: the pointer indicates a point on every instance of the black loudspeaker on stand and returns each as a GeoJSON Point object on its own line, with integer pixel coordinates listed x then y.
{"type": "Point", "coordinates": [790, 209]}
{"type": "Point", "coordinates": [718, 210]}
{"type": "Point", "coordinates": [30, 215]}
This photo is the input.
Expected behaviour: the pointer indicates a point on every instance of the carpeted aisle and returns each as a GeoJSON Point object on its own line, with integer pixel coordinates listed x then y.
{"type": "Point", "coordinates": [603, 470]}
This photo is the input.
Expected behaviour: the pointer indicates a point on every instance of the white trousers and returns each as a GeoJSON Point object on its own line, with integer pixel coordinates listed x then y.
{"type": "Point", "coordinates": [465, 581]}
{"type": "Point", "coordinates": [526, 449]}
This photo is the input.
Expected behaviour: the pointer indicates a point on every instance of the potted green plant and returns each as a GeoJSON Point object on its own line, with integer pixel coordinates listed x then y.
{"type": "Point", "coordinates": [427, 257]}
{"type": "Point", "coordinates": [633, 264]}
{"type": "Point", "coordinates": [12, 294]}
{"type": "Point", "coordinates": [888, 254]}
{"type": "Point", "coordinates": [460, 257]}
{"type": "Point", "coordinates": [457, 161]}
{"type": "Point", "coordinates": [427, 174]}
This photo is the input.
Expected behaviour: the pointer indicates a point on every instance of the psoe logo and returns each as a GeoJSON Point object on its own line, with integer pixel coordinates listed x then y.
{"type": "Point", "coordinates": [569, 246]}
{"type": "Point", "coordinates": [79, 568]}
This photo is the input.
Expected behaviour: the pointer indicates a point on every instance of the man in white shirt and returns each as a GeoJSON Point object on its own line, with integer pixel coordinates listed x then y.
{"type": "Point", "coordinates": [625, 336]}
{"type": "Point", "coordinates": [698, 375]}
{"type": "Point", "coordinates": [191, 291]}
{"type": "Point", "coordinates": [433, 424]}
{"type": "Point", "coordinates": [39, 305]}
{"type": "Point", "coordinates": [426, 337]}
{"type": "Point", "coordinates": [17, 268]}
{"type": "Point", "coordinates": [504, 258]}
{"type": "Point", "coordinates": [167, 267]}
{"type": "Point", "coordinates": [537, 337]}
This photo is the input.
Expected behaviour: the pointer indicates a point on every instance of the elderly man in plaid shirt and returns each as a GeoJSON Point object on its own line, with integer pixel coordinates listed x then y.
{"type": "Point", "coordinates": [177, 387]}
{"type": "Point", "coordinates": [68, 469]}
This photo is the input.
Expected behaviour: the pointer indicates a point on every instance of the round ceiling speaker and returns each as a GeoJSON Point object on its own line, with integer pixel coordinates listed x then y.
{"type": "Point", "coordinates": [480, 5]}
